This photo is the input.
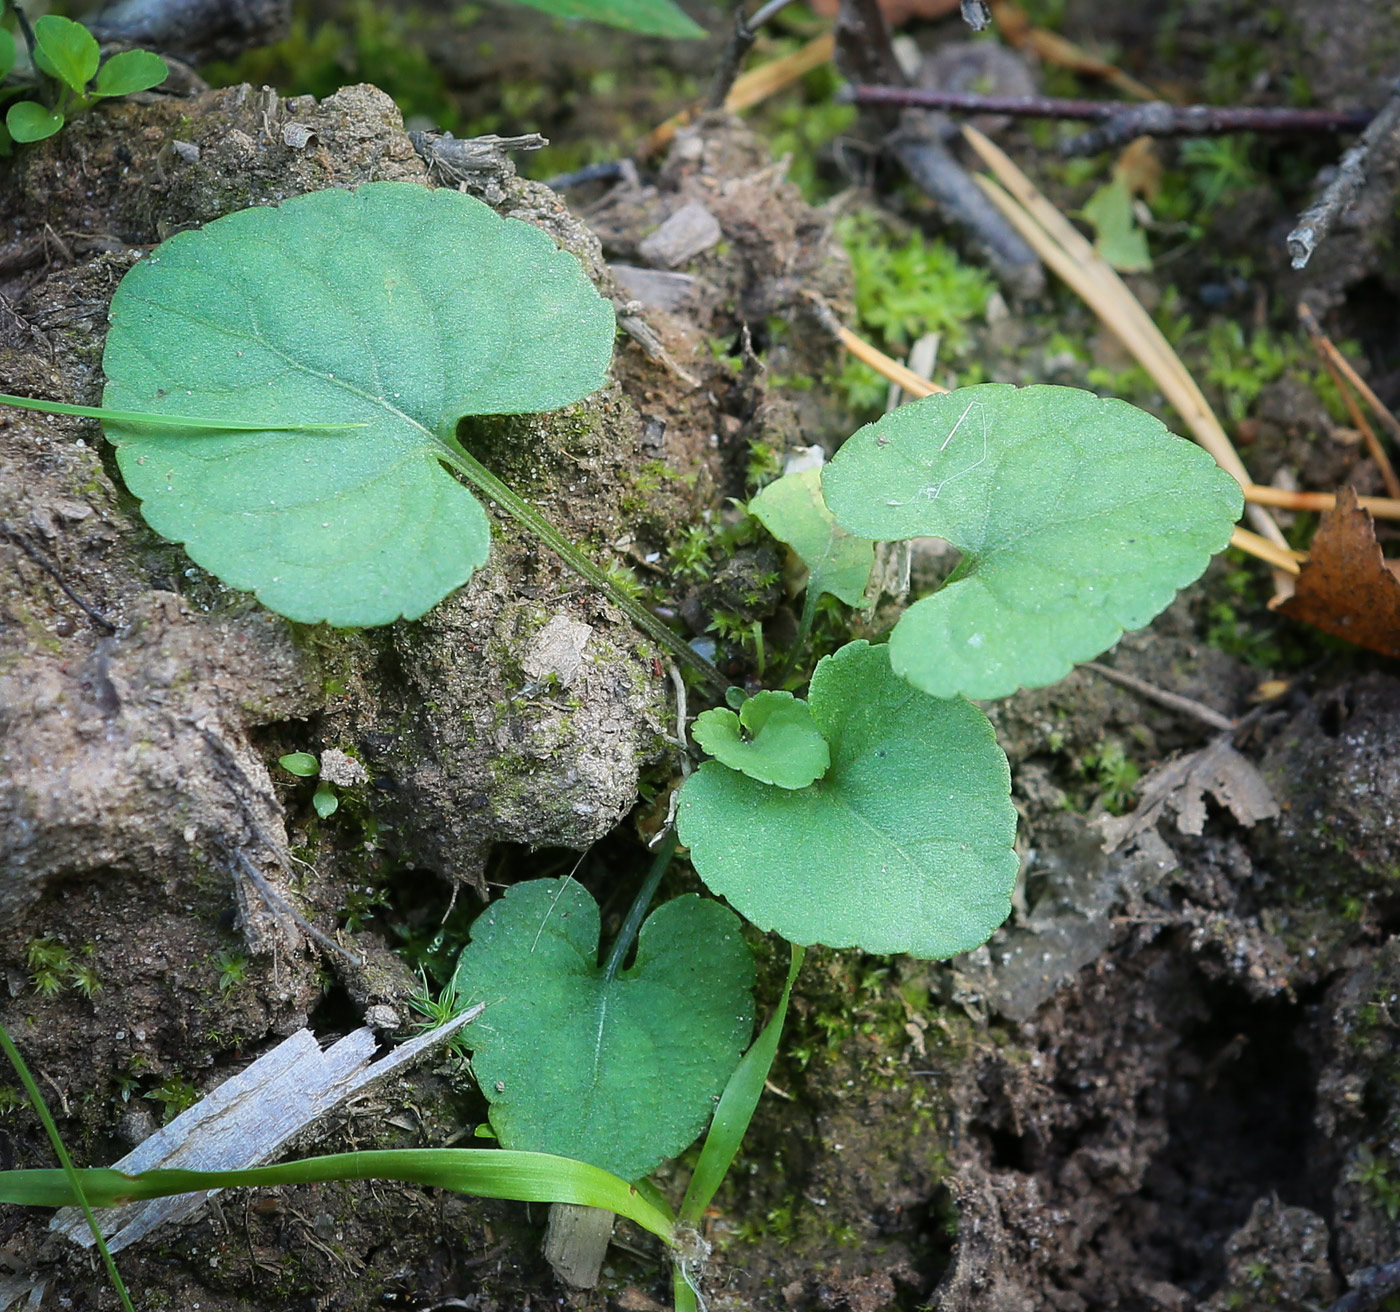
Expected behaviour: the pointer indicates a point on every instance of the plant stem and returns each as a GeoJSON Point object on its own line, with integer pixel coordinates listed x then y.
{"type": "Point", "coordinates": [36, 1100]}
{"type": "Point", "coordinates": [522, 511]}
{"type": "Point", "coordinates": [636, 913]}
{"type": "Point", "coordinates": [804, 631]}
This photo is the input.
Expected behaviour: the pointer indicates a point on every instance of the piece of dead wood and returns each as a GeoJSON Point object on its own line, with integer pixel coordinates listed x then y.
{"type": "Point", "coordinates": [1180, 787]}
{"type": "Point", "coordinates": [1374, 153]}
{"type": "Point", "coordinates": [1346, 587]}
{"type": "Point", "coordinates": [250, 1117]}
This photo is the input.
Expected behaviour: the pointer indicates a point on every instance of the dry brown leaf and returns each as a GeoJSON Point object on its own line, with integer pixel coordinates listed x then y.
{"type": "Point", "coordinates": [896, 12]}
{"type": "Point", "coordinates": [1346, 587]}
{"type": "Point", "coordinates": [1180, 786]}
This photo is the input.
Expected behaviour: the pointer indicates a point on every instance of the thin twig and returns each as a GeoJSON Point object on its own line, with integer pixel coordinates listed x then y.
{"type": "Point", "coordinates": [1376, 150]}
{"type": "Point", "coordinates": [1358, 421]}
{"type": "Point", "coordinates": [1328, 347]}
{"type": "Point", "coordinates": [1121, 123]}
{"type": "Point", "coordinates": [740, 43]}
{"type": "Point", "coordinates": [755, 85]}
{"type": "Point", "coordinates": [99, 620]}
{"type": "Point", "coordinates": [278, 903]}
{"type": "Point", "coordinates": [1172, 700]}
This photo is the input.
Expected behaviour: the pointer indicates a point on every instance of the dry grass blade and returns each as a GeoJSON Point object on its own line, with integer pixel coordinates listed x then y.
{"type": "Point", "coordinates": [750, 88]}
{"type": "Point", "coordinates": [884, 365]}
{"type": "Point", "coordinates": [1070, 255]}
{"type": "Point", "coordinates": [1339, 367]}
{"type": "Point", "coordinates": [1380, 507]}
{"type": "Point", "coordinates": [1283, 558]}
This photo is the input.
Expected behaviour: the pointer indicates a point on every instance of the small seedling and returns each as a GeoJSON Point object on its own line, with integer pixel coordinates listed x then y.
{"type": "Point", "coordinates": [233, 970]}
{"type": "Point", "coordinates": [66, 56]}
{"type": "Point", "coordinates": [302, 764]}
{"type": "Point", "coordinates": [875, 813]}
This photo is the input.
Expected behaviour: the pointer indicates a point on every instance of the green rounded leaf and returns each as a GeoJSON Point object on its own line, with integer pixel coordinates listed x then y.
{"type": "Point", "coordinates": [1077, 517]}
{"type": "Point", "coordinates": [784, 747]}
{"type": "Point", "coordinates": [621, 1074]}
{"type": "Point", "coordinates": [65, 50]}
{"type": "Point", "coordinates": [27, 122]}
{"type": "Point", "coordinates": [646, 17]}
{"type": "Point", "coordinates": [792, 510]}
{"type": "Point", "coordinates": [325, 801]}
{"type": "Point", "coordinates": [394, 306]}
{"type": "Point", "coordinates": [132, 70]}
{"type": "Point", "coordinates": [301, 764]}
{"type": "Point", "coordinates": [904, 846]}
{"type": "Point", "coordinates": [7, 52]}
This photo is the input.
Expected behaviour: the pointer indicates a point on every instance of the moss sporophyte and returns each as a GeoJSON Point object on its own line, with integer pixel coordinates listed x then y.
{"type": "Point", "coordinates": [874, 813]}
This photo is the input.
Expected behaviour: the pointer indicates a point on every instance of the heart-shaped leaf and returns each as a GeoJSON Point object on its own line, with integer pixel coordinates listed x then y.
{"type": "Point", "coordinates": [784, 746]}
{"type": "Point", "coordinates": [394, 306]}
{"type": "Point", "coordinates": [619, 1073]}
{"type": "Point", "coordinates": [131, 70]}
{"type": "Point", "coordinates": [792, 510]}
{"type": "Point", "coordinates": [1077, 517]}
{"type": "Point", "coordinates": [903, 846]}
{"type": "Point", "coordinates": [65, 50]}
{"type": "Point", "coordinates": [27, 122]}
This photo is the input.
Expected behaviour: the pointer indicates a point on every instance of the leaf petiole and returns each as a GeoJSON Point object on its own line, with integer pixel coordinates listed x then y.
{"type": "Point", "coordinates": [521, 510]}
{"type": "Point", "coordinates": [163, 421]}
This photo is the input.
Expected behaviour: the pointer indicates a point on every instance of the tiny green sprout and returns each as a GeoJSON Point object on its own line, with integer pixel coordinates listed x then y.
{"type": "Point", "coordinates": [302, 764]}
{"type": "Point", "coordinates": [325, 801]}
{"type": "Point", "coordinates": [49, 965]}
{"type": "Point", "coordinates": [82, 973]}
{"type": "Point", "coordinates": [233, 970]}
{"type": "Point", "coordinates": [66, 62]}
{"type": "Point", "coordinates": [437, 1009]}
{"type": "Point", "coordinates": [175, 1094]}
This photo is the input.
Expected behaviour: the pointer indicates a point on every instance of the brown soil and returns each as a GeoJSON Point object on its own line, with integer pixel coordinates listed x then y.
{"type": "Point", "coordinates": [1169, 1082]}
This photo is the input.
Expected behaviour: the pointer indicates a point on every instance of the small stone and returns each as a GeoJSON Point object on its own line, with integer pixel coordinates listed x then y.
{"type": "Point", "coordinates": [341, 769]}
{"type": "Point", "coordinates": [689, 231]}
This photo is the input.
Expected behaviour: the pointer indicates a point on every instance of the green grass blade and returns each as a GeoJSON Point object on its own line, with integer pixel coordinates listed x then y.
{"type": "Point", "coordinates": [162, 421]}
{"type": "Point", "coordinates": [487, 1172]}
{"type": "Point", "coordinates": [736, 1108]}
{"type": "Point", "coordinates": [69, 1174]}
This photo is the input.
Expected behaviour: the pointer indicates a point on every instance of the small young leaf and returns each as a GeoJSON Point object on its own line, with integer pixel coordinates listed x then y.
{"type": "Point", "coordinates": [27, 122]}
{"type": "Point", "coordinates": [7, 52]}
{"type": "Point", "coordinates": [325, 801]}
{"type": "Point", "coordinates": [647, 17]}
{"type": "Point", "coordinates": [793, 511]}
{"type": "Point", "coordinates": [1077, 517]}
{"type": "Point", "coordinates": [132, 70]}
{"type": "Point", "coordinates": [65, 50]}
{"type": "Point", "coordinates": [394, 306]}
{"type": "Point", "coordinates": [301, 764]}
{"type": "Point", "coordinates": [1120, 241]}
{"type": "Point", "coordinates": [904, 846]}
{"type": "Point", "coordinates": [623, 1073]}
{"type": "Point", "coordinates": [784, 746]}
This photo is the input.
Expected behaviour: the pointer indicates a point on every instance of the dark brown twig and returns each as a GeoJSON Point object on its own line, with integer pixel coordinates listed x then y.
{"type": "Point", "coordinates": [1375, 152]}
{"type": "Point", "coordinates": [916, 138]}
{"type": "Point", "coordinates": [99, 621]}
{"type": "Point", "coordinates": [1165, 697]}
{"type": "Point", "coordinates": [740, 43]}
{"type": "Point", "coordinates": [195, 30]}
{"type": "Point", "coordinates": [1121, 123]}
